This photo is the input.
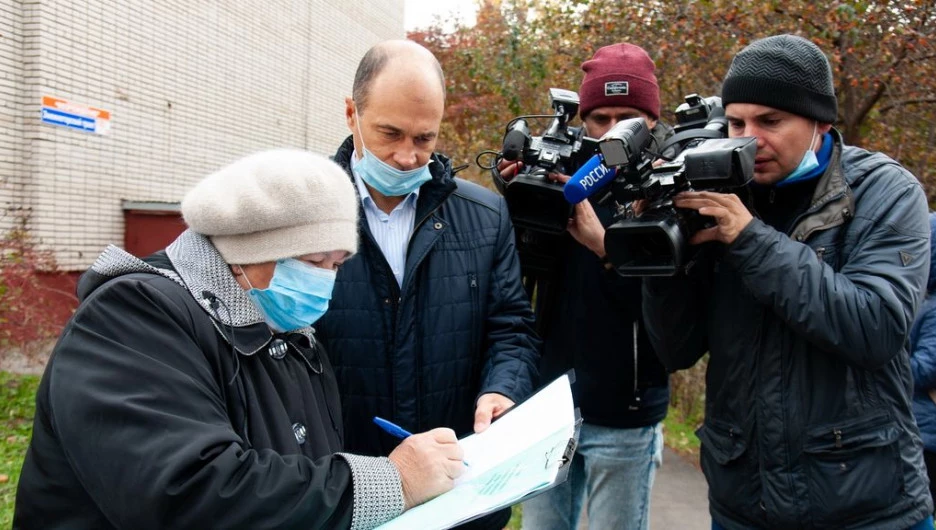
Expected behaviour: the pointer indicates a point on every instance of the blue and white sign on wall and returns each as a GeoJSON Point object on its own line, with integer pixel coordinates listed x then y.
{"type": "Point", "coordinates": [57, 111]}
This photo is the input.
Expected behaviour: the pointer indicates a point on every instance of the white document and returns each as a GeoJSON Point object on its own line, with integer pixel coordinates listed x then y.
{"type": "Point", "coordinates": [519, 454]}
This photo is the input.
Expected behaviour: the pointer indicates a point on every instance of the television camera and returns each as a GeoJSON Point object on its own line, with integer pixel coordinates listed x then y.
{"type": "Point", "coordinates": [534, 201]}
{"type": "Point", "coordinates": [619, 166]}
{"type": "Point", "coordinates": [655, 243]}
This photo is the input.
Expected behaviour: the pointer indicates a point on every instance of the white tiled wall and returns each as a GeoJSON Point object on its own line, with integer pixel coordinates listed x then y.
{"type": "Point", "coordinates": [190, 84]}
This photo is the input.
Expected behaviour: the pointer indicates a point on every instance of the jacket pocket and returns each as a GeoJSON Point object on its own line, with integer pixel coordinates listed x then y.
{"type": "Point", "coordinates": [853, 467]}
{"type": "Point", "coordinates": [830, 255]}
{"type": "Point", "coordinates": [732, 478]}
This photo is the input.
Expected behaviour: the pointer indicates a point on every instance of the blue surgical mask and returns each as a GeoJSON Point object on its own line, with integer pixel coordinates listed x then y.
{"type": "Point", "coordinates": [297, 296]}
{"type": "Point", "coordinates": [386, 179]}
{"type": "Point", "coordinates": [809, 161]}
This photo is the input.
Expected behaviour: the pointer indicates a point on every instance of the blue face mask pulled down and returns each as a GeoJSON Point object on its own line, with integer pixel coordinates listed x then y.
{"type": "Point", "coordinates": [297, 296]}
{"type": "Point", "coordinates": [809, 161]}
{"type": "Point", "coordinates": [386, 179]}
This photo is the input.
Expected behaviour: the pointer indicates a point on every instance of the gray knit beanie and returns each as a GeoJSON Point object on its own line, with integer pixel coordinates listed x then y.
{"type": "Point", "coordinates": [275, 204]}
{"type": "Point", "coordinates": [785, 72]}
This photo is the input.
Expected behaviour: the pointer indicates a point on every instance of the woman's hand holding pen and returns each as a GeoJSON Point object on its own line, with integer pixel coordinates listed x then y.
{"type": "Point", "coordinates": [428, 464]}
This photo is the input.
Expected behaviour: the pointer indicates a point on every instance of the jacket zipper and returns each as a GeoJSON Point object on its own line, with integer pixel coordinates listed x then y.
{"type": "Point", "coordinates": [475, 308]}
{"type": "Point", "coordinates": [389, 301]}
{"type": "Point", "coordinates": [399, 298]}
{"type": "Point", "coordinates": [416, 226]}
{"type": "Point", "coordinates": [636, 404]}
{"type": "Point", "coordinates": [396, 314]}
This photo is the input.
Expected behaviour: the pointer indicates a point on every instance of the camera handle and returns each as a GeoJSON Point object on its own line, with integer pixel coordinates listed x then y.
{"type": "Point", "coordinates": [688, 135]}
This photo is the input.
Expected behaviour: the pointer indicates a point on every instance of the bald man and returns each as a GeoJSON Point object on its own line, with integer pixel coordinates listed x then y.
{"type": "Point", "coordinates": [429, 324]}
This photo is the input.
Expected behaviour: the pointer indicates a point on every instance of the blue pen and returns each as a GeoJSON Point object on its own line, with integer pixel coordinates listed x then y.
{"type": "Point", "coordinates": [395, 430]}
{"type": "Point", "coordinates": [392, 428]}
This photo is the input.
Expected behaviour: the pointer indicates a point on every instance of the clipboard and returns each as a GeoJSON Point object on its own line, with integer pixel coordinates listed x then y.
{"type": "Point", "coordinates": [525, 452]}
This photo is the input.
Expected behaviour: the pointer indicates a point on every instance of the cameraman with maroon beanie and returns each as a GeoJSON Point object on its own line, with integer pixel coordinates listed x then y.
{"type": "Point", "coordinates": [590, 320]}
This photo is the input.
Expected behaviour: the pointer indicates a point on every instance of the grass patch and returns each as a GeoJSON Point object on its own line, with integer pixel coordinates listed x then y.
{"type": "Point", "coordinates": [17, 406]}
{"type": "Point", "coordinates": [516, 514]}
{"type": "Point", "coordinates": [679, 434]}
{"type": "Point", "coordinates": [687, 409]}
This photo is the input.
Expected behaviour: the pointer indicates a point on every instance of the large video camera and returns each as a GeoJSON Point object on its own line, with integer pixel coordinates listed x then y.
{"type": "Point", "coordinates": [655, 243]}
{"type": "Point", "coordinates": [533, 200]}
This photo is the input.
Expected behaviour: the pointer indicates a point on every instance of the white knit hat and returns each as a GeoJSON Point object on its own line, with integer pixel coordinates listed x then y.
{"type": "Point", "coordinates": [275, 204]}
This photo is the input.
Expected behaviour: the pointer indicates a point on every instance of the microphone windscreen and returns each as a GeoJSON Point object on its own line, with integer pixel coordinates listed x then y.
{"type": "Point", "coordinates": [514, 141]}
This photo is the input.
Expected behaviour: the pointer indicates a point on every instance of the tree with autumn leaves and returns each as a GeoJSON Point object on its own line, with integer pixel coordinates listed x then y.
{"type": "Point", "coordinates": [883, 55]}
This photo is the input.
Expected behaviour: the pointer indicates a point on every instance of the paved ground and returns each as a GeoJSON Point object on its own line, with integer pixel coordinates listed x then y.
{"type": "Point", "coordinates": [679, 498]}
{"type": "Point", "coordinates": [29, 361]}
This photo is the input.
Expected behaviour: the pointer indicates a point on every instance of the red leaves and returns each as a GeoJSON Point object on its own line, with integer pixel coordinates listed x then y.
{"type": "Point", "coordinates": [692, 44]}
{"type": "Point", "coordinates": [35, 298]}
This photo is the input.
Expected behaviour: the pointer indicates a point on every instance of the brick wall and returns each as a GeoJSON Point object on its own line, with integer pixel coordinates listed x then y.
{"type": "Point", "coordinates": [12, 83]}
{"type": "Point", "coordinates": [190, 85]}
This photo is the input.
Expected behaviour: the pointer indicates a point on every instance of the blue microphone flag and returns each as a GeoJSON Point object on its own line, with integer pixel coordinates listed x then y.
{"type": "Point", "coordinates": [591, 177]}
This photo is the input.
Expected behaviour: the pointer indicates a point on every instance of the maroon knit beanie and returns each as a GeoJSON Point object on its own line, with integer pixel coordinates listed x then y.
{"type": "Point", "coordinates": [620, 75]}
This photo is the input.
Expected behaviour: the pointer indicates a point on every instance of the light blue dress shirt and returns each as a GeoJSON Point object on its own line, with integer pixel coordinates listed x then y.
{"type": "Point", "coordinates": [391, 231]}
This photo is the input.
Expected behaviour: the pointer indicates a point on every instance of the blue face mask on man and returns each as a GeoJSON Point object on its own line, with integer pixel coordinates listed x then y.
{"type": "Point", "coordinates": [809, 161]}
{"type": "Point", "coordinates": [386, 179]}
{"type": "Point", "coordinates": [297, 296]}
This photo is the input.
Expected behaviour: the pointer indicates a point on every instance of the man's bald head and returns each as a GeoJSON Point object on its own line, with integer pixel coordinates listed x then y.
{"type": "Point", "coordinates": [387, 53]}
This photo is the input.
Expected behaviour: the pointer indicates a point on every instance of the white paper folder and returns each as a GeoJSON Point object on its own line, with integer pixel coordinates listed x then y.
{"type": "Point", "coordinates": [523, 453]}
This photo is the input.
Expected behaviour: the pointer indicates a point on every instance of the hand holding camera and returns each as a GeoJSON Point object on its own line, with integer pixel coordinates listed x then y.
{"type": "Point", "coordinates": [730, 214]}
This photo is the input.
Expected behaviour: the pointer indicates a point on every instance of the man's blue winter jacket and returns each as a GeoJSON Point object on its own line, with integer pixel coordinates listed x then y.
{"type": "Point", "coordinates": [460, 326]}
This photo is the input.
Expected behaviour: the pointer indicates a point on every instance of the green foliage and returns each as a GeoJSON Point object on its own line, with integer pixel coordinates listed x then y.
{"type": "Point", "coordinates": [685, 386]}
{"type": "Point", "coordinates": [516, 516]}
{"type": "Point", "coordinates": [679, 433]}
{"type": "Point", "coordinates": [17, 406]}
{"type": "Point", "coordinates": [687, 408]}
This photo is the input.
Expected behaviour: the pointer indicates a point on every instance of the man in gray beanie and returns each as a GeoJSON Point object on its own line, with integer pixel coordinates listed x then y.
{"type": "Point", "coordinates": [189, 390]}
{"type": "Point", "coordinates": [803, 294]}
